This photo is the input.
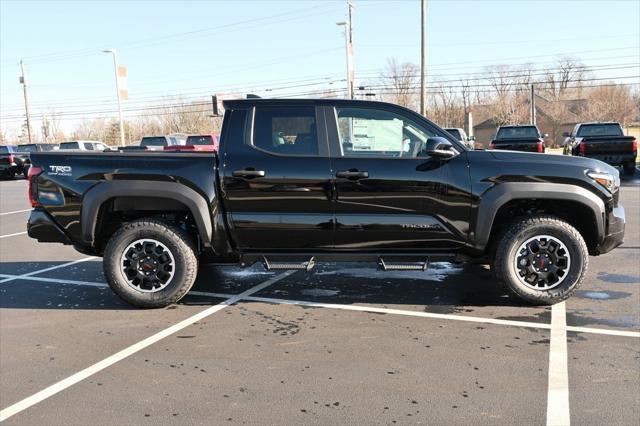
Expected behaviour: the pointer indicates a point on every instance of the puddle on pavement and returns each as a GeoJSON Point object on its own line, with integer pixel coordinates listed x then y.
{"type": "Point", "coordinates": [602, 295]}
{"type": "Point", "coordinates": [438, 271]}
{"type": "Point", "coordinates": [619, 278]}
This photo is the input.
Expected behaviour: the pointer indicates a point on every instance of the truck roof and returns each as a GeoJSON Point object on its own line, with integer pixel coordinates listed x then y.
{"type": "Point", "coordinates": [311, 101]}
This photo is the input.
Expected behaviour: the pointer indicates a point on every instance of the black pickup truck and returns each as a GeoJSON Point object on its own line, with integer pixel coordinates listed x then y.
{"type": "Point", "coordinates": [605, 142]}
{"type": "Point", "coordinates": [519, 138]}
{"type": "Point", "coordinates": [13, 161]}
{"type": "Point", "coordinates": [297, 182]}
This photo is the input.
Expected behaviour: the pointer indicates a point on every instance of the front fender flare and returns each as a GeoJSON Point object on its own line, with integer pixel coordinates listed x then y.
{"type": "Point", "coordinates": [99, 194]}
{"type": "Point", "coordinates": [501, 194]}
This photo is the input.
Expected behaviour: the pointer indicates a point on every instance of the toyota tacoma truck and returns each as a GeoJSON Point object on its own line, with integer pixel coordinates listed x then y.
{"type": "Point", "coordinates": [605, 142]}
{"type": "Point", "coordinates": [297, 182]}
{"type": "Point", "coordinates": [519, 138]}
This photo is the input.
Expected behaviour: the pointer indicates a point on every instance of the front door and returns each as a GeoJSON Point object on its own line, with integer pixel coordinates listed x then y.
{"type": "Point", "coordinates": [390, 195]}
{"type": "Point", "coordinates": [276, 178]}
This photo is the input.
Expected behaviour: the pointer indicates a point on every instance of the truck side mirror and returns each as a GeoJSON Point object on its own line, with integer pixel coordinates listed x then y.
{"type": "Point", "coordinates": [471, 138]}
{"type": "Point", "coordinates": [439, 147]}
{"type": "Point", "coordinates": [565, 134]}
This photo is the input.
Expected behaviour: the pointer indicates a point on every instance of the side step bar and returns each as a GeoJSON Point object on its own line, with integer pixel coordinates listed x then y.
{"type": "Point", "coordinates": [302, 266]}
{"type": "Point", "coordinates": [403, 266]}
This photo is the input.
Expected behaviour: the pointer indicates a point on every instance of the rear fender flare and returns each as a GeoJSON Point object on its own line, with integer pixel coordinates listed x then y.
{"type": "Point", "coordinates": [101, 193]}
{"type": "Point", "coordinates": [498, 196]}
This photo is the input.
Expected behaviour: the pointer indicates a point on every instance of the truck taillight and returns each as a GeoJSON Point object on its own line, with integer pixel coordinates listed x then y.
{"type": "Point", "coordinates": [32, 187]}
{"type": "Point", "coordinates": [634, 144]}
{"type": "Point", "coordinates": [540, 146]}
{"type": "Point", "coordinates": [582, 148]}
{"type": "Point", "coordinates": [10, 159]}
{"type": "Point", "coordinates": [492, 145]}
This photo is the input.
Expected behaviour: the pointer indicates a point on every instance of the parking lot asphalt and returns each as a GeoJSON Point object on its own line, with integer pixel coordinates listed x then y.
{"type": "Point", "coordinates": [342, 344]}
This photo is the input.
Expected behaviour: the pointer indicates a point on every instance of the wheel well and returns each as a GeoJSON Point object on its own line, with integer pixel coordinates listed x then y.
{"type": "Point", "coordinates": [116, 211]}
{"type": "Point", "coordinates": [575, 213]}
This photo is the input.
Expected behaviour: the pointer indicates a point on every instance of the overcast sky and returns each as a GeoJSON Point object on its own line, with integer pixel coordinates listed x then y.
{"type": "Point", "coordinates": [197, 48]}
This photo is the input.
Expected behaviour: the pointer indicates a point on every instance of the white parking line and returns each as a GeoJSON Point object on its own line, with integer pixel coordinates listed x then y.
{"type": "Point", "coordinates": [119, 356]}
{"type": "Point", "coordinates": [558, 390]}
{"type": "Point", "coordinates": [55, 280]}
{"type": "Point", "coordinates": [51, 268]}
{"type": "Point", "coordinates": [15, 211]}
{"type": "Point", "coordinates": [13, 235]}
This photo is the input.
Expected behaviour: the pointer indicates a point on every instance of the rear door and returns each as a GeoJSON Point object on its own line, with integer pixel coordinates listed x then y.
{"type": "Point", "coordinates": [390, 195]}
{"type": "Point", "coordinates": [276, 178]}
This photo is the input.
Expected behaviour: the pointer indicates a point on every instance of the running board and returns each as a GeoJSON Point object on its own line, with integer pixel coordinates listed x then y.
{"type": "Point", "coordinates": [403, 266]}
{"type": "Point", "coordinates": [301, 266]}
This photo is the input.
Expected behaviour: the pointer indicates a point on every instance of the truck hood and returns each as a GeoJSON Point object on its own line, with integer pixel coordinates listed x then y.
{"type": "Point", "coordinates": [551, 159]}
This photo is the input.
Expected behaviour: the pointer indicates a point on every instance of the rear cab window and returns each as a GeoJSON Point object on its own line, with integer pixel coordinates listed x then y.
{"type": "Point", "coordinates": [526, 132]}
{"type": "Point", "coordinates": [27, 148]}
{"type": "Point", "coordinates": [69, 145]}
{"type": "Point", "coordinates": [609, 129]}
{"type": "Point", "coordinates": [153, 141]}
{"type": "Point", "coordinates": [4, 150]}
{"type": "Point", "coordinates": [285, 130]}
{"type": "Point", "coordinates": [200, 140]}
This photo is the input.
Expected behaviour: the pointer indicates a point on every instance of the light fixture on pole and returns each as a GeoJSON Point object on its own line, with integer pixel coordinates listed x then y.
{"type": "Point", "coordinates": [115, 66]}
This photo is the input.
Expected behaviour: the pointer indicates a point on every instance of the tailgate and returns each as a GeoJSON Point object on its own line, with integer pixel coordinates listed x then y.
{"type": "Point", "coordinates": [608, 145]}
{"type": "Point", "coordinates": [517, 145]}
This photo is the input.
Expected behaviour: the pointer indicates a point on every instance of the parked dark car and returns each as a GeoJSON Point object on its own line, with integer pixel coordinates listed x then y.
{"type": "Point", "coordinates": [297, 182]}
{"type": "Point", "coordinates": [13, 161]}
{"type": "Point", "coordinates": [519, 138]}
{"type": "Point", "coordinates": [605, 142]}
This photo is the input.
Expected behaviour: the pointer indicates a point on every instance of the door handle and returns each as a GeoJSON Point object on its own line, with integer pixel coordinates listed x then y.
{"type": "Point", "coordinates": [248, 173]}
{"type": "Point", "coordinates": [352, 174]}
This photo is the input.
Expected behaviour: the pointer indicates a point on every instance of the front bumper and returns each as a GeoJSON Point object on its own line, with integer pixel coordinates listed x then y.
{"type": "Point", "coordinates": [614, 235]}
{"type": "Point", "coordinates": [42, 227]}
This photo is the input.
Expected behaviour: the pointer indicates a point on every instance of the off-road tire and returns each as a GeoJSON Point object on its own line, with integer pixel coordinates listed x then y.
{"type": "Point", "coordinates": [629, 168]}
{"type": "Point", "coordinates": [520, 231]}
{"type": "Point", "coordinates": [179, 243]}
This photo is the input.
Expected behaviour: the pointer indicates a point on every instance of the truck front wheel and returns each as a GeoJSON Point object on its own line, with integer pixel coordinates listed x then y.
{"type": "Point", "coordinates": [541, 259]}
{"type": "Point", "coordinates": [150, 264]}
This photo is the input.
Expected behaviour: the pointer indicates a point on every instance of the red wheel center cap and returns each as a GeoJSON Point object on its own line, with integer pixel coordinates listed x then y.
{"type": "Point", "coordinates": [147, 266]}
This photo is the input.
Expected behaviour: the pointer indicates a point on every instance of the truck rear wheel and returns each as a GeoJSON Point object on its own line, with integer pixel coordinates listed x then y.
{"type": "Point", "coordinates": [150, 264]}
{"type": "Point", "coordinates": [541, 259]}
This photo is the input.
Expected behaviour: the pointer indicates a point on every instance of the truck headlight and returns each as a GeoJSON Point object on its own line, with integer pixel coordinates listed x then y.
{"type": "Point", "coordinates": [609, 181]}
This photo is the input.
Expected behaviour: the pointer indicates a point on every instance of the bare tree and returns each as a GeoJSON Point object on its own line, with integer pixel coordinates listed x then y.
{"type": "Point", "coordinates": [611, 102]}
{"type": "Point", "coordinates": [399, 82]}
{"type": "Point", "coordinates": [185, 118]}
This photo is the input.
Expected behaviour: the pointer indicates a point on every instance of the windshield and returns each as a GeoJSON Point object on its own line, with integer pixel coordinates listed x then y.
{"type": "Point", "coordinates": [69, 145]}
{"type": "Point", "coordinates": [200, 140]}
{"type": "Point", "coordinates": [153, 141]}
{"type": "Point", "coordinates": [518, 132]}
{"type": "Point", "coordinates": [455, 133]}
{"type": "Point", "coordinates": [600, 130]}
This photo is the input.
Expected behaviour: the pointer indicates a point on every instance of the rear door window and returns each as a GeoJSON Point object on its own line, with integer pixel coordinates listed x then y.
{"type": "Point", "coordinates": [286, 130]}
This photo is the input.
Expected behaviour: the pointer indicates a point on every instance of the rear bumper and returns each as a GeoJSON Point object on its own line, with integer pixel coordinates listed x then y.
{"type": "Point", "coordinates": [614, 159]}
{"type": "Point", "coordinates": [42, 228]}
{"type": "Point", "coordinates": [614, 232]}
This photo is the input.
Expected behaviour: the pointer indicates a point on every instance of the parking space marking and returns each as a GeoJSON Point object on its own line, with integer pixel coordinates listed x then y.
{"type": "Point", "coordinates": [589, 330]}
{"type": "Point", "coordinates": [55, 280]}
{"type": "Point", "coordinates": [558, 391]}
{"type": "Point", "coordinates": [124, 353]}
{"type": "Point", "coordinates": [15, 211]}
{"type": "Point", "coordinates": [13, 235]}
{"type": "Point", "coordinates": [51, 268]}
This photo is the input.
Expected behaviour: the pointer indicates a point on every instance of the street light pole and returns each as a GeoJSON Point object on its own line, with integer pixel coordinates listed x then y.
{"type": "Point", "coordinates": [115, 66]}
{"type": "Point", "coordinates": [348, 35]}
{"type": "Point", "coordinates": [23, 80]}
{"type": "Point", "coordinates": [423, 57]}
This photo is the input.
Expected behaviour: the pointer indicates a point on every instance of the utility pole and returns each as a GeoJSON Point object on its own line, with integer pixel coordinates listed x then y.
{"type": "Point", "coordinates": [348, 35]}
{"type": "Point", "coordinates": [115, 66]}
{"type": "Point", "coordinates": [423, 57]}
{"type": "Point", "coordinates": [23, 80]}
{"type": "Point", "coordinates": [533, 104]}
